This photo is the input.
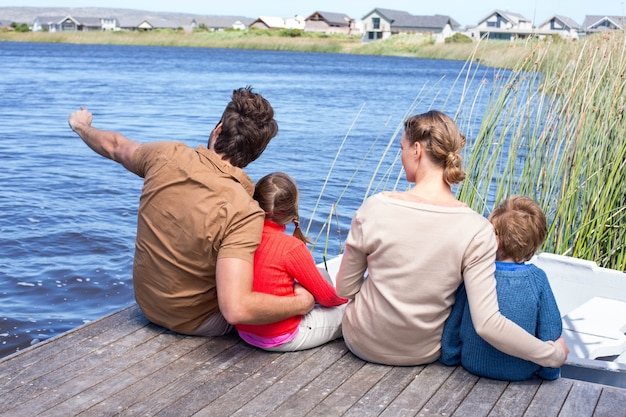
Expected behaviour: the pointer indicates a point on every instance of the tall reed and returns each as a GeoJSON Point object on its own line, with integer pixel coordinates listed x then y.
{"type": "Point", "coordinates": [554, 129]}
{"type": "Point", "coordinates": [558, 136]}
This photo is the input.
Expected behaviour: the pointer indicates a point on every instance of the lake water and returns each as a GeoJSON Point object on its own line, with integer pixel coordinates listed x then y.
{"type": "Point", "coordinates": [68, 216]}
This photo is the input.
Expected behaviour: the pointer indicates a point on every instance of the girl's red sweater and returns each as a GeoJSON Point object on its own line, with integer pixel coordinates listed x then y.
{"type": "Point", "coordinates": [279, 262]}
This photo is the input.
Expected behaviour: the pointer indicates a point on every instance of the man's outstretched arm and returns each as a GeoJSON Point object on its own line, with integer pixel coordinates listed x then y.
{"type": "Point", "coordinates": [112, 145]}
{"type": "Point", "coordinates": [240, 305]}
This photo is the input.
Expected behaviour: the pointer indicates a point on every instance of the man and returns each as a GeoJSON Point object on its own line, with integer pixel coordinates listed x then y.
{"type": "Point", "coordinates": [197, 225]}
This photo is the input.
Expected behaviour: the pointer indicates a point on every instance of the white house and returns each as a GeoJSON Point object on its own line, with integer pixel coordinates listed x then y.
{"type": "Point", "coordinates": [73, 24]}
{"type": "Point", "coordinates": [272, 22]}
{"type": "Point", "coordinates": [502, 25]}
{"type": "Point", "coordinates": [383, 23]}
{"type": "Point", "coordinates": [595, 24]}
{"type": "Point", "coordinates": [328, 22]}
{"type": "Point", "coordinates": [563, 26]}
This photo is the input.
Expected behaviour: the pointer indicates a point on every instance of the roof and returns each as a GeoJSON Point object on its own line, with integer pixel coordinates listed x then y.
{"type": "Point", "coordinates": [594, 20]}
{"type": "Point", "coordinates": [50, 19]}
{"type": "Point", "coordinates": [223, 21]}
{"type": "Point", "coordinates": [127, 18]}
{"type": "Point", "coordinates": [271, 21]}
{"type": "Point", "coordinates": [401, 19]}
{"type": "Point", "coordinates": [89, 21]}
{"type": "Point", "coordinates": [566, 21]}
{"type": "Point", "coordinates": [513, 17]}
{"type": "Point", "coordinates": [331, 18]}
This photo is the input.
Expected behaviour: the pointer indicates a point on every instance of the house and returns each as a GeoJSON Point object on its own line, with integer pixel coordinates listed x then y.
{"type": "Point", "coordinates": [155, 22]}
{"type": "Point", "coordinates": [73, 24]}
{"type": "Point", "coordinates": [563, 26]}
{"type": "Point", "coordinates": [382, 23]}
{"type": "Point", "coordinates": [329, 23]}
{"type": "Point", "coordinates": [46, 23]}
{"type": "Point", "coordinates": [218, 23]}
{"type": "Point", "coordinates": [138, 22]}
{"type": "Point", "coordinates": [271, 22]}
{"type": "Point", "coordinates": [594, 24]}
{"type": "Point", "coordinates": [503, 26]}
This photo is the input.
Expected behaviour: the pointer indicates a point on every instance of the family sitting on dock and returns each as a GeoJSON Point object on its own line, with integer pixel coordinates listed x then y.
{"type": "Point", "coordinates": [212, 255]}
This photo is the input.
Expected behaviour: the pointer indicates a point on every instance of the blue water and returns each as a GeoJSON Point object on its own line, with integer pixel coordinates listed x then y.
{"type": "Point", "coordinates": [68, 216]}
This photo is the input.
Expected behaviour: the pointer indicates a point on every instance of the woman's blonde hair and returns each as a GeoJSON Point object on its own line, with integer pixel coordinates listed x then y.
{"type": "Point", "coordinates": [521, 227]}
{"type": "Point", "coordinates": [277, 194]}
{"type": "Point", "coordinates": [442, 140]}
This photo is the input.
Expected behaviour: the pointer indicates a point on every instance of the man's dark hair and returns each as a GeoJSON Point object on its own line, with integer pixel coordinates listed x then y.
{"type": "Point", "coordinates": [248, 125]}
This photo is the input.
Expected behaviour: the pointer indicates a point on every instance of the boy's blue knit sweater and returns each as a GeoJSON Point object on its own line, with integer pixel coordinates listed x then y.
{"type": "Point", "coordinates": [525, 297]}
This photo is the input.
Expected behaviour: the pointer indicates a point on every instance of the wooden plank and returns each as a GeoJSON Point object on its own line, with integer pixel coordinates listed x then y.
{"type": "Point", "coordinates": [123, 365]}
{"type": "Point", "coordinates": [75, 377]}
{"type": "Point", "coordinates": [55, 352]}
{"type": "Point", "coordinates": [419, 391]}
{"type": "Point", "coordinates": [385, 391]}
{"type": "Point", "coordinates": [290, 383]}
{"type": "Point", "coordinates": [482, 398]}
{"type": "Point", "coordinates": [351, 391]}
{"type": "Point", "coordinates": [612, 403]}
{"type": "Point", "coordinates": [450, 394]}
{"type": "Point", "coordinates": [306, 400]}
{"type": "Point", "coordinates": [204, 382]}
{"type": "Point", "coordinates": [515, 399]}
{"type": "Point", "coordinates": [581, 400]}
{"type": "Point", "coordinates": [549, 398]}
{"type": "Point", "coordinates": [138, 379]}
{"type": "Point", "coordinates": [256, 383]}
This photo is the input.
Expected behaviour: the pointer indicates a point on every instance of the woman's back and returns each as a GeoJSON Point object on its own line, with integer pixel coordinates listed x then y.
{"type": "Point", "coordinates": [416, 255]}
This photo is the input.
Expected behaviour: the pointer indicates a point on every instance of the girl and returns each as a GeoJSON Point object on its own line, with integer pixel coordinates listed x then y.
{"type": "Point", "coordinates": [279, 262]}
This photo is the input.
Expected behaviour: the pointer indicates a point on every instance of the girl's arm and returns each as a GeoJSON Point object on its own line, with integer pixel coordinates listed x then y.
{"type": "Point", "coordinates": [301, 266]}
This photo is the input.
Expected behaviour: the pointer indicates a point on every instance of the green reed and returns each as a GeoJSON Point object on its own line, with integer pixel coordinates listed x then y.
{"type": "Point", "coordinates": [557, 135]}
{"type": "Point", "coordinates": [553, 129]}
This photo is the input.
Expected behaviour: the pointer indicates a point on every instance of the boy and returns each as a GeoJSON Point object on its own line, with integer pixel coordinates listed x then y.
{"type": "Point", "coordinates": [524, 296]}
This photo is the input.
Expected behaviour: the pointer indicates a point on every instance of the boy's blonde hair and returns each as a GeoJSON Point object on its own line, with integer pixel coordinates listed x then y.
{"type": "Point", "coordinates": [520, 226]}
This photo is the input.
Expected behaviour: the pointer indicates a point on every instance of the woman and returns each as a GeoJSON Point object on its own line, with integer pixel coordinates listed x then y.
{"type": "Point", "coordinates": [418, 246]}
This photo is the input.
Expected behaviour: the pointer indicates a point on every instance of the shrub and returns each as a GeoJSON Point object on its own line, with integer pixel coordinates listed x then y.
{"type": "Point", "coordinates": [20, 27]}
{"type": "Point", "coordinates": [459, 38]}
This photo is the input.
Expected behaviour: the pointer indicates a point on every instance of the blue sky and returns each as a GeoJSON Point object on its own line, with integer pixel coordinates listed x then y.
{"type": "Point", "coordinates": [464, 11]}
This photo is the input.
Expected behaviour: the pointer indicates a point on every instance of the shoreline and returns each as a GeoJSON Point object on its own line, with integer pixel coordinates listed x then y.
{"type": "Point", "coordinates": [489, 53]}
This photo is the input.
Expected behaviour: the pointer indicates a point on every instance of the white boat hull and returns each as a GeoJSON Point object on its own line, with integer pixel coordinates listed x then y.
{"type": "Point", "coordinates": [592, 301]}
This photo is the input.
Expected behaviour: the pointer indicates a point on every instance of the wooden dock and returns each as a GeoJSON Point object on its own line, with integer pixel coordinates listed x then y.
{"type": "Point", "coordinates": [123, 365]}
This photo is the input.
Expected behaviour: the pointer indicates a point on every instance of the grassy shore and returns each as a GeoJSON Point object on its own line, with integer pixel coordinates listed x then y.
{"type": "Point", "coordinates": [497, 54]}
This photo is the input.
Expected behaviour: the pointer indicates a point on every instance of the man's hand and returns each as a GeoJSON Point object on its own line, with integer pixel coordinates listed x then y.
{"type": "Point", "coordinates": [80, 118]}
{"type": "Point", "coordinates": [307, 298]}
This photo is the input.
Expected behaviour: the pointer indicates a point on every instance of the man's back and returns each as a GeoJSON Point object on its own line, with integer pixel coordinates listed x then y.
{"type": "Point", "coordinates": [193, 205]}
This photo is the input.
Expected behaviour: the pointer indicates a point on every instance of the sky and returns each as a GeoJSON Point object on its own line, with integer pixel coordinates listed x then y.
{"type": "Point", "coordinates": [465, 12]}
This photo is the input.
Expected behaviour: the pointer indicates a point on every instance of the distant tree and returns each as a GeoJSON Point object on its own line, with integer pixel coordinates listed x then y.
{"type": "Point", "coordinates": [20, 27]}
{"type": "Point", "coordinates": [202, 27]}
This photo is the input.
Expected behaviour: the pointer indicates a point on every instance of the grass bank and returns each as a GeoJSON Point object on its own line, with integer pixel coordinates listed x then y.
{"type": "Point", "coordinates": [496, 54]}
